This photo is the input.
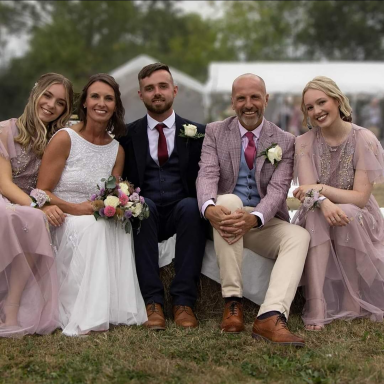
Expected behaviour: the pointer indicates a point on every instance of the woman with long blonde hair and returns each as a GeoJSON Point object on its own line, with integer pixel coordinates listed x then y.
{"type": "Point", "coordinates": [337, 163]}
{"type": "Point", "coordinates": [28, 282]}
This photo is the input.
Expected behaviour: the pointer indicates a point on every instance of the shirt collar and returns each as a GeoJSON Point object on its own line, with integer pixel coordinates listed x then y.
{"type": "Point", "coordinates": [169, 122]}
{"type": "Point", "coordinates": [256, 131]}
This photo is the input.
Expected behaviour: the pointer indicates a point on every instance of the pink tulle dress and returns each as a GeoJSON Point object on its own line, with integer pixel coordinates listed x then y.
{"type": "Point", "coordinates": [25, 246]}
{"type": "Point", "coordinates": [344, 272]}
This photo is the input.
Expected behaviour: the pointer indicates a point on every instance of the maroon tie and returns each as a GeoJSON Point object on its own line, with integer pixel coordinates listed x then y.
{"type": "Point", "coordinates": [250, 151]}
{"type": "Point", "coordinates": [162, 151]}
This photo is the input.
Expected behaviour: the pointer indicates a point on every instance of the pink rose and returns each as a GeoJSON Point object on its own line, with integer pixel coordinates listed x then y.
{"type": "Point", "coordinates": [123, 198]}
{"type": "Point", "coordinates": [109, 211]}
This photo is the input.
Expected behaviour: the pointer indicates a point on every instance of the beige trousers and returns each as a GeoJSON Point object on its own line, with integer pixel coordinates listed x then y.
{"type": "Point", "coordinates": [286, 243]}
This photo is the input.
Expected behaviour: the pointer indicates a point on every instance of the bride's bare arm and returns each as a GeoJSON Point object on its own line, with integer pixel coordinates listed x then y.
{"type": "Point", "coordinates": [119, 164]}
{"type": "Point", "coordinates": [52, 165]}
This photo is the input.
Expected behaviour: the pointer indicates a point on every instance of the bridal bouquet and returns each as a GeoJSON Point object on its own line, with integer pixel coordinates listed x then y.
{"type": "Point", "coordinates": [120, 202]}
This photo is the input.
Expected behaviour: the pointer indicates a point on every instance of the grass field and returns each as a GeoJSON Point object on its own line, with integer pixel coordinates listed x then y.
{"type": "Point", "coordinates": [345, 352]}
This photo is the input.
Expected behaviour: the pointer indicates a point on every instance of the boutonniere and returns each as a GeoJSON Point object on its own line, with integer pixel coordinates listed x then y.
{"type": "Point", "coordinates": [273, 154]}
{"type": "Point", "coordinates": [189, 131]}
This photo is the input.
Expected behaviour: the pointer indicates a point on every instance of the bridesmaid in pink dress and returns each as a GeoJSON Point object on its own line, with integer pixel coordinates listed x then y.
{"type": "Point", "coordinates": [28, 282]}
{"type": "Point", "coordinates": [337, 163]}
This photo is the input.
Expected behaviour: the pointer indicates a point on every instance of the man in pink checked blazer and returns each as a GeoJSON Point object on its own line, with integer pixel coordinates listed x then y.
{"type": "Point", "coordinates": [242, 192]}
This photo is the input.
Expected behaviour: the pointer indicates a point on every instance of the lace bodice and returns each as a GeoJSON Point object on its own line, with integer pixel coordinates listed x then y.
{"type": "Point", "coordinates": [24, 162]}
{"type": "Point", "coordinates": [87, 163]}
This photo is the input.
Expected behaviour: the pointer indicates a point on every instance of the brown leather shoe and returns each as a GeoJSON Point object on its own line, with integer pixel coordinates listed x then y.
{"type": "Point", "coordinates": [184, 316]}
{"type": "Point", "coordinates": [274, 330]}
{"type": "Point", "coordinates": [233, 321]}
{"type": "Point", "coordinates": [156, 319]}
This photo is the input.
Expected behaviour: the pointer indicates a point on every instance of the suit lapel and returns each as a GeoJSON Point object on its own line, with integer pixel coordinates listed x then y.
{"type": "Point", "coordinates": [182, 147]}
{"type": "Point", "coordinates": [266, 139]}
{"type": "Point", "coordinates": [140, 147]}
{"type": "Point", "coordinates": [234, 142]}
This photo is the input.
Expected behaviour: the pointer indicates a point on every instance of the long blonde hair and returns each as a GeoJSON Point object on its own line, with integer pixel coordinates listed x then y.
{"type": "Point", "coordinates": [32, 131]}
{"type": "Point", "coordinates": [330, 88]}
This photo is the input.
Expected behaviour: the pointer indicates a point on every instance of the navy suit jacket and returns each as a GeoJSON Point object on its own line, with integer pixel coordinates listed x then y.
{"type": "Point", "coordinates": [136, 147]}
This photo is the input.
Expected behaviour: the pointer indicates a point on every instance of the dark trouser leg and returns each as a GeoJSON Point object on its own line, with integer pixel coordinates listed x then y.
{"type": "Point", "coordinates": [190, 229]}
{"type": "Point", "coordinates": [147, 257]}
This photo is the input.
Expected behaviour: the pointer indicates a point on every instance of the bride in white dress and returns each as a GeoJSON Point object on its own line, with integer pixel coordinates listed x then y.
{"type": "Point", "coordinates": [95, 259]}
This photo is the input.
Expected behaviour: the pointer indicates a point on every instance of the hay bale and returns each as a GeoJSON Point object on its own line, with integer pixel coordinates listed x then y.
{"type": "Point", "coordinates": [210, 304]}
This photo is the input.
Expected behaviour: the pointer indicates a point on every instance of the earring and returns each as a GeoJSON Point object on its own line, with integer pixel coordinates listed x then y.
{"type": "Point", "coordinates": [84, 106]}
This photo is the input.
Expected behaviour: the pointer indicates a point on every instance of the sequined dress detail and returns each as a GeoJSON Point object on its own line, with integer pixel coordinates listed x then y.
{"type": "Point", "coordinates": [26, 254]}
{"type": "Point", "coordinates": [95, 259]}
{"type": "Point", "coordinates": [344, 272]}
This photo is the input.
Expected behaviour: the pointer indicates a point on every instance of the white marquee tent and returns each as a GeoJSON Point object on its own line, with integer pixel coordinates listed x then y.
{"type": "Point", "coordinates": [291, 77]}
{"type": "Point", "coordinates": [188, 102]}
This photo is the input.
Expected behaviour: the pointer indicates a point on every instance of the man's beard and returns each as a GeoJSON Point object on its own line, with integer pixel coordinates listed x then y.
{"type": "Point", "coordinates": [251, 121]}
{"type": "Point", "coordinates": [159, 109]}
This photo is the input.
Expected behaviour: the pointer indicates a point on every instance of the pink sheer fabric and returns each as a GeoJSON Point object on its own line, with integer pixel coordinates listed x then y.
{"type": "Point", "coordinates": [26, 255]}
{"type": "Point", "coordinates": [344, 272]}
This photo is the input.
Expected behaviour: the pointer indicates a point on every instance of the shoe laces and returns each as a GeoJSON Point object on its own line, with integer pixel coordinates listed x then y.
{"type": "Point", "coordinates": [153, 307]}
{"type": "Point", "coordinates": [182, 308]}
{"type": "Point", "coordinates": [282, 320]}
{"type": "Point", "coordinates": [234, 308]}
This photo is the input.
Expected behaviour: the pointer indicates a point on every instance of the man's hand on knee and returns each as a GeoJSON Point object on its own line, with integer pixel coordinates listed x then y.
{"type": "Point", "coordinates": [216, 214]}
{"type": "Point", "coordinates": [235, 226]}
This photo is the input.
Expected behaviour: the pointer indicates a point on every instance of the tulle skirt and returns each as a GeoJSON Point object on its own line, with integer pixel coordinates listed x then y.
{"type": "Point", "coordinates": [344, 272]}
{"type": "Point", "coordinates": [97, 276]}
{"type": "Point", "coordinates": [26, 266]}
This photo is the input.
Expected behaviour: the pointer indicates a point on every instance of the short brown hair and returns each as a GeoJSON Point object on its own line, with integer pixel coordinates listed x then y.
{"type": "Point", "coordinates": [116, 124]}
{"type": "Point", "coordinates": [149, 69]}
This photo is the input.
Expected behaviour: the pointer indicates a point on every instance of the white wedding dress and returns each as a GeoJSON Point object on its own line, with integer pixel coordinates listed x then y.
{"type": "Point", "coordinates": [95, 259]}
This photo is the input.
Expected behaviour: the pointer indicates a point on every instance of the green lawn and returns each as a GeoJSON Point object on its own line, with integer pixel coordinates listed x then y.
{"type": "Point", "coordinates": [345, 352]}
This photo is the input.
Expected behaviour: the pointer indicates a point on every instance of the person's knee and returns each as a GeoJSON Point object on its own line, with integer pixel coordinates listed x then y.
{"type": "Point", "coordinates": [189, 206]}
{"type": "Point", "coordinates": [299, 235]}
{"type": "Point", "coordinates": [230, 201]}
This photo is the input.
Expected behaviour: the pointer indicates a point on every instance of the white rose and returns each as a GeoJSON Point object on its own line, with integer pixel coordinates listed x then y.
{"type": "Point", "coordinates": [190, 130]}
{"type": "Point", "coordinates": [124, 188]}
{"type": "Point", "coordinates": [136, 210]}
{"type": "Point", "coordinates": [112, 201]}
{"type": "Point", "coordinates": [275, 154]}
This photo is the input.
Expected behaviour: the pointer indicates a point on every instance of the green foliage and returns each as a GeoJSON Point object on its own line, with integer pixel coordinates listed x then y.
{"type": "Point", "coordinates": [80, 38]}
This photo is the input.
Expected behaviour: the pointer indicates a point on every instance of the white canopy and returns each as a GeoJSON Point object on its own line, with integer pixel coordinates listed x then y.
{"type": "Point", "coordinates": [126, 75]}
{"type": "Point", "coordinates": [291, 77]}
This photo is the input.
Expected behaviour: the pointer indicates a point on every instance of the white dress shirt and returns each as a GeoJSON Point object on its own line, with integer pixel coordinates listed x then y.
{"type": "Point", "coordinates": [244, 142]}
{"type": "Point", "coordinates": [153, 135]}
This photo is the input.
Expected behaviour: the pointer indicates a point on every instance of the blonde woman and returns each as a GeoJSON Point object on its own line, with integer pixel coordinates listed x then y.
{"type": "Point", "coordinates": [28, 284]}
{"type": "Point", "coordinates": [337, 163]}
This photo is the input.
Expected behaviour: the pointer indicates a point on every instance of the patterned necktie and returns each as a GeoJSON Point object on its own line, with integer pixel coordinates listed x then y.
{"type": "Point", "coordinates": [162, 151]}
{"type": "Point", "coordinates": [250, 151]}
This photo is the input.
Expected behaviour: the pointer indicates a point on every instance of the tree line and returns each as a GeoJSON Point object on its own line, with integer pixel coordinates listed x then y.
{"type": "Point", "coordinates": [80, 38]}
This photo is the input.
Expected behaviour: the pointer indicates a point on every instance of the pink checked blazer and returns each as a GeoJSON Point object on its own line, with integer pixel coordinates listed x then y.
{"type": "Point", "coordinates": [220, 163]}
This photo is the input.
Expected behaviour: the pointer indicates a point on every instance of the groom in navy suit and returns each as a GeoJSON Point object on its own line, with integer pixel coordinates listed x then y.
{"type": "Point", "coordinates": [164, 164]}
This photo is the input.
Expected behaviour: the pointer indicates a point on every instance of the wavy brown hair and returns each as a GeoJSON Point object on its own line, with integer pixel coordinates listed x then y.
{"type": "Point", "coordinates": [330, 88]}
{"type": "Point", "coordinates": [116, 124]}
{"type": "Point", "coordinates": [32, 131]}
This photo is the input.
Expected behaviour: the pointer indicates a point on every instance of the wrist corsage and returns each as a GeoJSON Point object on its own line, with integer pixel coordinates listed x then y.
{"type": "Point", "coordinates": [273, 154]}
{"type": "Point", "coordinates": [189, 131]}
{"type": "Point", "coordinates": [313, 199]}
{"type": "Point", "coordinates": [39, 198]}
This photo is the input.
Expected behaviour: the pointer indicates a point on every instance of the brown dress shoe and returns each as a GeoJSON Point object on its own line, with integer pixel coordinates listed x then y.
{"type": "Point", "coordinates": [184, 316]}
{"type": "Point", "coordinates": [233, 321]}
{"type": "Point", "coordinates": [155, 314]}
{"type": "Point", "coordinates": [274, 330]}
